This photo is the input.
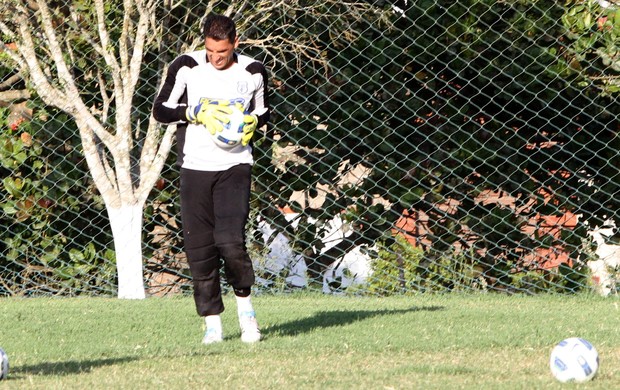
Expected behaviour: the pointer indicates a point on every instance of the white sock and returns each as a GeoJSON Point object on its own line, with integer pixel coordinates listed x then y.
{"type": "Point", "coordinates": [214, 322]}
{"type": "Point", "coordinates": [244, 304]}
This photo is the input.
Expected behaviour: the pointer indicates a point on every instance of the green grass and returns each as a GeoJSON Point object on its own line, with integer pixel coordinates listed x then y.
{"type": "Point", "coordinates": [310, 342]}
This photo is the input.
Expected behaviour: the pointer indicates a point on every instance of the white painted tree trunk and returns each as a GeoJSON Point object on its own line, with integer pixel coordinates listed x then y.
{"type": "Point", "coordinates": [126, 223]}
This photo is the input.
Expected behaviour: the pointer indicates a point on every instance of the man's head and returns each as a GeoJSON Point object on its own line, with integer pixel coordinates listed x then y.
{"type": "Point", "coordinates": [220, 40]}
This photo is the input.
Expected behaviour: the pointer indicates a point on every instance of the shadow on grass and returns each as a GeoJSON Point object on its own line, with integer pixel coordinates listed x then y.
{"type": "Point", "coordinates": [325, 319]}
{"type": "Point", "coordinates": [64, 368]}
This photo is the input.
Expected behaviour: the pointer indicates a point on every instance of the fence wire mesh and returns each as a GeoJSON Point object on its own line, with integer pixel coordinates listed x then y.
{"type": "Point", "coordinates": [425, 146]}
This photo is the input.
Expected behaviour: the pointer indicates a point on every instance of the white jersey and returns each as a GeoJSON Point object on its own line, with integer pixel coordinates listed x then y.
{"type": "Point", "coordinates": [192, 79]}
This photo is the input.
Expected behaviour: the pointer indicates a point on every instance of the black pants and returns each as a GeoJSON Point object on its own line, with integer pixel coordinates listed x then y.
{"type": "Point", "coordinates": [214, 209]}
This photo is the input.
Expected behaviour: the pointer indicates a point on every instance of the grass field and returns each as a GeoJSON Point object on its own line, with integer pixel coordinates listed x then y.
{"type": "Point", "coordinates": [310, 341]}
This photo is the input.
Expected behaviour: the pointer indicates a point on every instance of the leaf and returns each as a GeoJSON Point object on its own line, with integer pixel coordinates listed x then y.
{"type": "Point", "coordinates": [13, 186]}
{"type": "Point", "coordinates": [9, 209]}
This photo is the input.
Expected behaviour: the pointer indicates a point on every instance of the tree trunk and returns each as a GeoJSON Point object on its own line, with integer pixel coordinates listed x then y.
{"type": "Point", "coordinates": [126, 223]}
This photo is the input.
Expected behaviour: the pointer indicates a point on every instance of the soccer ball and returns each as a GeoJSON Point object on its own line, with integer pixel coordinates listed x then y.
{"type": "Point", "coordinates": [231, 135]}
{"type": "Point", "coordinates": [4, 364]}
{"type": "Point", "coordinates": [574, 360]}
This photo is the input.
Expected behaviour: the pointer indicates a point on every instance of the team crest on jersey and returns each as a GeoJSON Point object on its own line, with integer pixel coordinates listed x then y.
{"type": "Point", "coordinates": [242, 87]}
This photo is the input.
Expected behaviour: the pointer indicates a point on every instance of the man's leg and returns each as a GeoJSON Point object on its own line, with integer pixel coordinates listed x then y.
{"type": "Point", "coordinates": [202, 253]}
{"type": "Point", "coordinates": [232, 207]}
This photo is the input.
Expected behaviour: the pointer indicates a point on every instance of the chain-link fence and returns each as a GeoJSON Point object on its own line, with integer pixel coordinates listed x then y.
{"type": "Point", "coordinates": [414, 146]}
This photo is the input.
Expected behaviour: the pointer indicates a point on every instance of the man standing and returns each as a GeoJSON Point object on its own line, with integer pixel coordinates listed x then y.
{"type": "Point", "coordinates": [200, 91]}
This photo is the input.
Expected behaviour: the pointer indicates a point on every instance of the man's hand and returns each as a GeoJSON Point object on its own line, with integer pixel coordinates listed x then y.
{"type": "Point", "coordinates": [213, 114]}
{"type": "Point", "coordinates": [251, 121]}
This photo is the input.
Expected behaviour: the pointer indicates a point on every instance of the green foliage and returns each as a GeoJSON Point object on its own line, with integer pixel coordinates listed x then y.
{"type": "Point", "coordinates": [563, 279]}
{"type": "Point", "coordinates": [441, 107]}
{"type": "Point", "coordinates": [401, 268]}
{"type": "Point", "coordinates": [593, 51]}
{"type": "Point", "coordinates": [395, 270]}
{"type": "Point", "coordinates": [53, 240]}
{"type": "Point", "coordinates": [482, 117]}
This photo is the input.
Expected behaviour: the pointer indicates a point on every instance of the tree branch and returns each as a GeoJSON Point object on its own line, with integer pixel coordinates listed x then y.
{"type": "Point", "coordinates": [30, 63]}
{"type": "Point", "coordinates": [109, 59]}
{"type": "Point", "coordinates": [63, 73]}
{"type": "Point", "coordinates": [13, 95]}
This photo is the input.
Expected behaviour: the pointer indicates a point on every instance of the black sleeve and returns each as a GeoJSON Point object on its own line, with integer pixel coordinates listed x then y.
{"type": "Point", "coordinates": [263, 119]}
{"type": "Point", "coordinates": [171, 112]}
{"type": "Point", "coordinates": [260, 101]}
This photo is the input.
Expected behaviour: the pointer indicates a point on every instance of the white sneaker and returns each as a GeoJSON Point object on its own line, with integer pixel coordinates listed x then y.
{"type": "Point", "coordinates": [212, 336]}
{"type": "Point", "coordinates": [249, 327]}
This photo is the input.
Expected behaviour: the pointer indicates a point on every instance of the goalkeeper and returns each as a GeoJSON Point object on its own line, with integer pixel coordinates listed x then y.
{"type": "Point", "coordinates": [197, 94]}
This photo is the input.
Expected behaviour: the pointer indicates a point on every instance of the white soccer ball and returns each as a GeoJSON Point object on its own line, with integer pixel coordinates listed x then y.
{"type": "Point", "coordinates": [231, 135]}
{"type": "Point", "coordinates": [4, 364]}
{"type": "Point", "coordinates": [574, 360]}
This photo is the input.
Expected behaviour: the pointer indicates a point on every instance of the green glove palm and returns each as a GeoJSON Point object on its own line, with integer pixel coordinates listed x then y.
{"type": "Point", "coordinates": [251, 121]}
{"type": "Point", "coordinates": [213, 114]}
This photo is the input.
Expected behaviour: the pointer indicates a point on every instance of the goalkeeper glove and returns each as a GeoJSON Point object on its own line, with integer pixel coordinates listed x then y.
{"type": "Point", "coordinates": [213, 114]}
{"type": "Point", "coordinates": [251, 121]}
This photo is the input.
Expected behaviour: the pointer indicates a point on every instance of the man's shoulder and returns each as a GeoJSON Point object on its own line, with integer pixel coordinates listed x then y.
{"type": "Point", "coordinates": [250, 64]}
{"type": "Point", "coordinates": [189, 59]}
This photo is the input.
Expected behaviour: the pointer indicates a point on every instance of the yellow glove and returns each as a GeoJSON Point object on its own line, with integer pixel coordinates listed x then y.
{"type": "Point", "coordinates": [213, 114]}
{"type": "Point", "coordinates": [251, 121]}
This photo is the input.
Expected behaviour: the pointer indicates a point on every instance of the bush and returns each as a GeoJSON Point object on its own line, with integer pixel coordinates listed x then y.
{"type": "Point", "coordinates": [54, 239]}
{"type": "Point", "coordinates": [401, 268]}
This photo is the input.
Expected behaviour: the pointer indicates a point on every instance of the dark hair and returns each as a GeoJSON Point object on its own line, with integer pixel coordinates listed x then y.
{"type": "Point", "coordinates": [219, 27]}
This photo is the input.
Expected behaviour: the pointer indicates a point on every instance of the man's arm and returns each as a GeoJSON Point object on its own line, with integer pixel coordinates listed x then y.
{"type": "Point", "coordinates": [171, 102]}
{"type": "Point", "coordinates": [260, 103]}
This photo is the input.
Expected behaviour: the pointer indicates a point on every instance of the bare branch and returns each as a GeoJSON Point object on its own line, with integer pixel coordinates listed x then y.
{"type": "Point", "coordinates": [123, 50]}
{"type": "Point", "coordinates": [154, 154]}
{"type": "Point", "coordinates": [9, 82]}
{"type": "Point", "coordinates": [14, 95]}
{"type": "Point", "coordinates": [105, 48]}
{"type": "Point", "coordinates": [107, 99]}
{"type": "Point", "coordinates": [9, 47]}
{"type": "Point", "coordinates": [85, 34]}
{"type": "Point", "coordinates": [141, 33]}
{"type": "Point", "coordinates": [48, 93]}
{"type": "Point", "coordinates": [56, 51]}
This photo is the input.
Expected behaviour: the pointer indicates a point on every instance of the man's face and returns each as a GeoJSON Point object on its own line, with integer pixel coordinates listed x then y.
{"type": "Point", "coordinates": [220, 52]}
